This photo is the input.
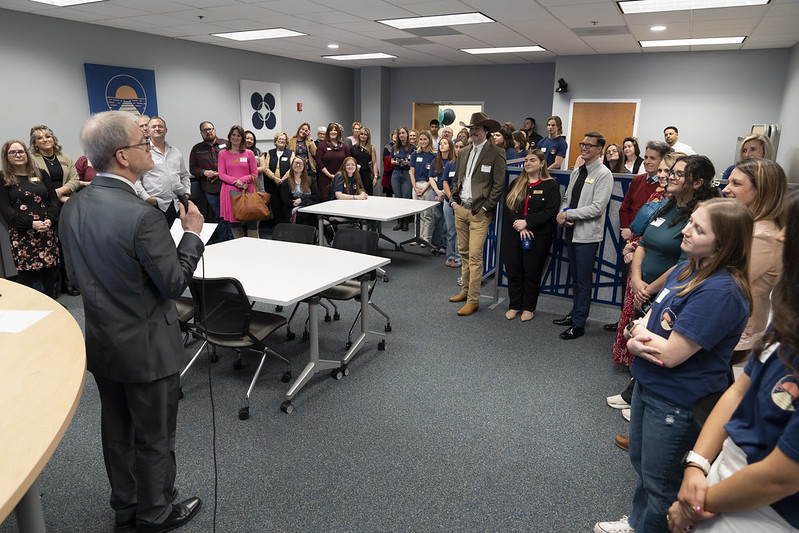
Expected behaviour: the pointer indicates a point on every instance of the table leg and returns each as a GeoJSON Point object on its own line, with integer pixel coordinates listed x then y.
{"type": "Point", "coordinates": [321, 234]}
{"type": "Point", "coordinates": [315, 365]}
{"type": "Point", "coordinates": [383, 236]}
{"type": "Point", "coordinates": [365, 334]}
{"type": "Point", "coordinates": [29, 513]}
{"type": "Point", "coordinates": [418, 237]}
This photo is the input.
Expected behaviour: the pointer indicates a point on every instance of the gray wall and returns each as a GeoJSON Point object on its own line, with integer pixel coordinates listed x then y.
{"type": "Point", "coordinates": [194, 81]}
{"type": "Point", "coordinates": [510, 92]}
{"type": "Point", "coordinates": [788, 155]}
{"type": "Point", "coordinates": [712, 97]}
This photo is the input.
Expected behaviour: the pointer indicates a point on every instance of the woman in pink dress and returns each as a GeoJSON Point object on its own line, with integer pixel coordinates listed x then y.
{"type": "Point", "coordinates": [238, 170]}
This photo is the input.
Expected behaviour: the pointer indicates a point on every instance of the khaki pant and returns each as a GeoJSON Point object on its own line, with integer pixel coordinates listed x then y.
{"type": "Point", "coordinates": [472, 231]}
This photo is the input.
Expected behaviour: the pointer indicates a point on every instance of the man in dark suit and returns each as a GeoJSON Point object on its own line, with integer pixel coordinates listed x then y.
{"type": "Point", "coordinates": [119, 250]}
{"type": "Point", "coordinates": [478, 186]}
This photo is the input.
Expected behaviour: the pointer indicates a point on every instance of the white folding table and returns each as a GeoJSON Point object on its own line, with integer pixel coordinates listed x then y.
{"type": "Point", "coordinates": [378, 208]}
{"type": "Point", "coordinates": [256, 263]}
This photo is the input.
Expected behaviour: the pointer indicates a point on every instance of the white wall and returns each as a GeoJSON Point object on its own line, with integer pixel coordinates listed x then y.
{"type": "Point", "coordinates": [44, 80]}
{"type": "Point", "coordinates": [510, 92]}
{"type": "Point", "coordinates": [788, 155]}
{"type": "Point", "coordinates": [712, 97]}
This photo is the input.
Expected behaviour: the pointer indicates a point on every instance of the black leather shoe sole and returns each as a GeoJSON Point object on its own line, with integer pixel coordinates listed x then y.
{"type": "Point", "coordinates": [565, 321]}
{"type": "Point", "coordinates": [572, 333]}
{"type": "Point", "coordinates": [611, 327]}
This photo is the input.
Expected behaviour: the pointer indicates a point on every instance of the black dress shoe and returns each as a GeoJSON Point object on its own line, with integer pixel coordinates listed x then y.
{"type": "Point", "coordinates": [181, 514]}
{"type": "Point", "coordinates": [572, 333]}
{"type": "Point", "coordinates": [611, 327]}
{"type": "Point", "coordinates": [70, 289]}
{"type": "Point", "coordinates": [565, 321]}
{"type": "Point", "coordinates": [404, 226]}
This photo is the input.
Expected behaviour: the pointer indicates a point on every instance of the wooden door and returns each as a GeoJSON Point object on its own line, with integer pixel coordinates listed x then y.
{"type": "Point", "coordinates": [615, 120]}
{"type": "Point", "coordinates": [422, 115]}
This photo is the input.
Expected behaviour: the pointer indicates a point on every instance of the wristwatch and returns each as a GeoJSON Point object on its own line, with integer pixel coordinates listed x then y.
{"type": "Point", "coordinates": [693, 458]}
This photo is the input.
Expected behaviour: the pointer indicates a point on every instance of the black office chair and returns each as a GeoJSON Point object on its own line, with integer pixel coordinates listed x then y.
{"type": "Point", "coordinates": [224, 317]}
{"type": "Point", "coordinates": [185, 306]}
{"type": "Point", "coordinates": [362, 242]}
{"type": "Point", "coordinates": [302, 234]}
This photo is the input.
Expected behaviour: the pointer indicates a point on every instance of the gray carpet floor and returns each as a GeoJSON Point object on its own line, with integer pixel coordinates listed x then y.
{"type": "Point", "coordinates": [462, 424]}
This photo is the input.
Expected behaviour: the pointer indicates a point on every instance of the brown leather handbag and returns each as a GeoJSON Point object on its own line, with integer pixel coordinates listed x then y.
{"type": "Point", "coordinates": [249, 207]}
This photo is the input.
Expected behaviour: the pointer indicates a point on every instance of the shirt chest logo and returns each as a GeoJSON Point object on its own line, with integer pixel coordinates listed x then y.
{"type": "Point", "coordinates": [785, 394]}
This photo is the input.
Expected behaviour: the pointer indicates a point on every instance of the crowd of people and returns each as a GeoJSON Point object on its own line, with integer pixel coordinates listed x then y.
{"type": "Point", "coordinates": [702, 269]}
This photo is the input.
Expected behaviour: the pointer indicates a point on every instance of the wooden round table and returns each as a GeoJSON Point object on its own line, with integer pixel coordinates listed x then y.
{"type": "Point", "coordinates": [42, 370]}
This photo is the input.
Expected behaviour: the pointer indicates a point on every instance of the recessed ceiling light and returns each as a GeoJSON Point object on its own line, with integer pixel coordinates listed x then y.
{"type": "Point", "coordinates": [437, 20]}
{"type": "Point", "coordinates": [654, 6]}
{"type": "Point", "coordinates": [503, 50]}
{"type": "Point", "coordinates": [67, 3]}
{"type": "Point", "coordinates": [658, 28]}
{"type": "Point", "coordinates": [354, 57]}
{"type": "Point", "coordinates": [692, 42]}
{"type": "Point", "coordinates": [333, 46]}
{"type": "Point", "coordinates": [254, 35]}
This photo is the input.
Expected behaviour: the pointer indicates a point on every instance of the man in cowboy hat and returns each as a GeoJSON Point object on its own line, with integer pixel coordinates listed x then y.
{"type": "Point", "coordinates": [477, 187]}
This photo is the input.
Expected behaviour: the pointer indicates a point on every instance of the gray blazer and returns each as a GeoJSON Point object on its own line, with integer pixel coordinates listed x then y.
{"type": "Point", "coordinates": [120, 253]}
{"type": "Point", "coordinates": [488, 177]}
{"type": "Point", "coordinates": [589, 215]}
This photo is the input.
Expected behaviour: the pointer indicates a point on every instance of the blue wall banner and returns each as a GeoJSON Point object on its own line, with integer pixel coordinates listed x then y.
{"type": "Point", "coordinates": [121, 89]}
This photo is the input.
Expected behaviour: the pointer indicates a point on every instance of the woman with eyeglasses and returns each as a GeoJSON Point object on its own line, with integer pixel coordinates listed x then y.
{"type": "Point", "coordinates": [752, 433]}
{"type": "Point", "coordinates": [330, 154]}
{"type": "Point", "coordinates": [632, 156]}
{"type": "Point", "coordinates": [30, 207]}
{"type": "Point", "coordinates": [299, 190]}
{"type": "Point", "coordinates": [683, 347]}
{"type": "Point", "coordinates": [275, 164]}
{"type": "Point", "coordinates": [613, 159]}
{"type": "Point", "coordinates": [238, 171]}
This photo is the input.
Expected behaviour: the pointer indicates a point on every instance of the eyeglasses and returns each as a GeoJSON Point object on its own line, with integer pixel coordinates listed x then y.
{"type": "Point", "coordinates": [676, 175]}
{"type": "Point", "coordinates": [14, 153]}
{"type": "Point", "coordinates": [587, 145]}
{"type": "Point", "coordinates": [143, 144]}
{"type": "Point", "coordinates": [207, 130]}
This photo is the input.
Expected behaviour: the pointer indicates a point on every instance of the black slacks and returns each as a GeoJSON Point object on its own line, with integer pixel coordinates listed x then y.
{"type": "Point", "coordinates": [138, 435]}
{"type": "Point", "coordinates": [524, 268]}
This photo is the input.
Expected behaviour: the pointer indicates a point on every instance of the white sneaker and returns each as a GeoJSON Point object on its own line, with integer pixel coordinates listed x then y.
{"type": "Point", "coordinates": [626, 414]}
{"type": "Point", "coordinates": [617, 402]}
{"type": "Point", "coordinates": [619, 526]}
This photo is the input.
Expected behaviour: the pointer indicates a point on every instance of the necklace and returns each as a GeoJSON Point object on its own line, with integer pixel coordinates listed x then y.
{"type": "Point", "coordinates": [50, 159]}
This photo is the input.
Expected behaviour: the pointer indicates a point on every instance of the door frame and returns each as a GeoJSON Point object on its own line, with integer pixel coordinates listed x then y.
{"type": "Point", "coordinates": [636, 101]}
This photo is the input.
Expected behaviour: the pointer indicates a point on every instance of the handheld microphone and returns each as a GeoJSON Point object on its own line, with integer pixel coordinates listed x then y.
{"type": "Point", "coordinates": [177, 189]}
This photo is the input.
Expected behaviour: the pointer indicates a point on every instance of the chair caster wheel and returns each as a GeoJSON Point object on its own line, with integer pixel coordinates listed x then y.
{"type": "Point", "coordinates": [290, 335]}
{"type": "Point", "coordinates": [336, 316]}
{"type": "Point", "coordinates": [286, 377]}
{"type": "Point", "coordinates": [345, 369]}
{"type": "Point", "coordinates": [348, 345]}
{"type": "Point", "coordinates": [381, 345]}
{"type": "Point", "coordinates": [180, 393]}
{"type": "Point", "coordinates": [286, 407]}
{"type": "Point", "coordinates": [237, 364]}
{"type": "Point", "coordinates": [337, 373]}
{"type": "Point", "coordinates": [327, 318]}
{"type": "Point", "coordinates": [306, 335]}
{"type": "Point", "coordinates": [278, 308]}
{"type": "Point", "coordinates": [388, 327]}
{"type": "Point", "coordinates": [385, 279]}
{"type": "Point", "coordinates": [244, 413]}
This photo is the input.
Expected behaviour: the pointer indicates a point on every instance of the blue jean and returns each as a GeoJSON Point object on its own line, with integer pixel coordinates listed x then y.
{"type": "Point", "coordinates": [401, 183]}
{"type": "Point", "coordinates": [450, 233]}
{"type": "Point", "coordinates": [213, 203]}
{"type": "Point", "coordinates": [660, 434]}
{"type": "Point", "coordinates": [581, 262]}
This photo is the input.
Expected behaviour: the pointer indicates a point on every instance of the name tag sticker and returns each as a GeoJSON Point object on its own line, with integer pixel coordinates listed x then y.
{"type": "Point", "coordinates": [663, 293]}
{"type": "Point", "coordinates": [589, 180]}
{"type": "Point", "coordinates": [485, 168]}
{"type": "Point", "coordinates": [243, 159]}
{"type": "Point", "coordinates": [452, 174]}
{"type": "Point", "coordinates": [419, 159]}
{"type": "Point", "coordinates": [284, 158]}
{"type": "Point", "coordinates": [657, 222]}
{"type": "Point", "coordinates": [538, 192]}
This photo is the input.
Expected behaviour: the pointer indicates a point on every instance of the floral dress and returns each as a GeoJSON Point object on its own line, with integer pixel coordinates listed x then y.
{"type": "Point", "coordinates": [22, 205]}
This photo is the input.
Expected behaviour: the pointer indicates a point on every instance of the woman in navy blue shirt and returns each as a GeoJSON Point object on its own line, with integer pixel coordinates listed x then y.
{"type": "Point", "coordinates": [683, 347]}
{"type": "Point", "coordinates": [753, 432]}
{"type": "Point", "coordinates": [400, 176]}
{"type": "Point", "coordinates": [421, 162]}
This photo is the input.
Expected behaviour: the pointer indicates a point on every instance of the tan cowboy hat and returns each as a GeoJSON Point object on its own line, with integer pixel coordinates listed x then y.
{"type": "Point", "coordinates": [481, 119]}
